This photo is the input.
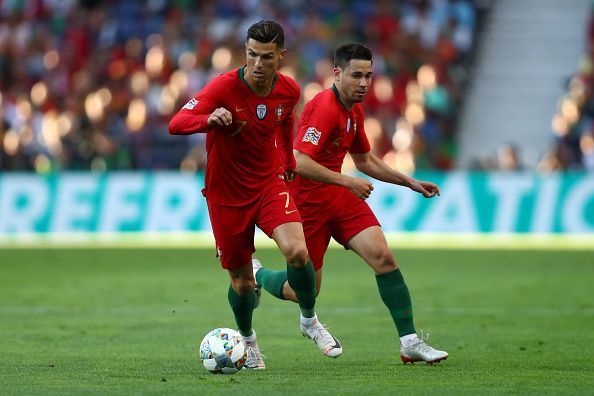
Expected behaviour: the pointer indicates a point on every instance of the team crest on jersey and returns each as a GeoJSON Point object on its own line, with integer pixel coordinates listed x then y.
{"type": "Point", "coordinates": [191, 104]}
{"type": "Point", "coordinates": [261, 111]}
{"type": "Point", "coordinates": [279, 112]}
{"type": "Point", "coordinates": [348, 126]}
{"type": "Point", "coordinates": [312, 135]}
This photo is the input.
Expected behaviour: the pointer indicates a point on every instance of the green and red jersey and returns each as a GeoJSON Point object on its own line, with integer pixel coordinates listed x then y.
{"type": "Point", "coordinates": [326, 131]}
{"type": "Point", "coordinates": [242, 158]}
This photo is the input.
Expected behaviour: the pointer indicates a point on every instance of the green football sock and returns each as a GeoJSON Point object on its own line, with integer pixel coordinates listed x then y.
{"type": "Point", "coordinates": [243, 308]}
{"type": "Point", "coordinates": [272, 281]}
{"type": "Point", "coordinates": [395, 295]}
{"type": "Point", "coordinates": [303, 282]}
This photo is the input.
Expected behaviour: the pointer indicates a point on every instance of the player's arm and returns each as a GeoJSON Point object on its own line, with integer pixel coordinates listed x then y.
{"type": "Point", "coordinates": [201, 112]}
{"type": "Point", "coordinates": [378, 169]}
{"type": "Point", "coordinates": [310, 169]}
{"type": "Point", "coordinates": [187, 122]}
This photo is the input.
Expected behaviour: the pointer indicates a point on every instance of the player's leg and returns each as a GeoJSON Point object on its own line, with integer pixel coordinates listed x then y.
{"type": "Point", "coordinates": [276, 283]}
{"type": "Point", "coordinates": [303, 282]}
{"type": "Point", "coordinates": [279, 218]}
{"type": "Point", "coordinates": [273, 281]}
{"type": "Point", "coordinates": [317, 237]}
{"type": "Point", "coordinates": [241, 298]}
{"type": "Point", "coordinates": [234, 235]}
{"type": "Point", "coordinates": [371, 245]}
{"type": "Point", "coordinates": [281, 221]}
{"type": "Point", "coordinates": [301, 275]}
{"type": "Point", "coordinates": [256, 265]}
{"type": "Point", "coordinates": [358, 229]}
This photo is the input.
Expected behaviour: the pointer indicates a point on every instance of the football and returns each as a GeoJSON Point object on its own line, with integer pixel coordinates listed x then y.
{"type": "Point", "coordinates": [222, 351]}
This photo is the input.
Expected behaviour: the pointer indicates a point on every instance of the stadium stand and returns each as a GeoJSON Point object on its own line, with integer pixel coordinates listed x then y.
{"type": "Point", "coordinates": [573, 122]}
{"type": "Point", "coordinates": [91, 85]}
{"type": "Point", "coordinates": [518, 80]}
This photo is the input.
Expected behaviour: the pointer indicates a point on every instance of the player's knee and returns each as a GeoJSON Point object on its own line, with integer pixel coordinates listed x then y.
{"type": "Point", "coordinates": [384, 261]}
{"type": "Point", "coordinates": [242, 286]}
{"type": "Point", "coordinates": [296, 255]}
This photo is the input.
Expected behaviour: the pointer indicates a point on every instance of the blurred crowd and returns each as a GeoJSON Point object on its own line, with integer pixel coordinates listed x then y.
{"type": "Point", "coordinates": [573, 123]}
{"type": "Point", "coordinates": [92, 84]}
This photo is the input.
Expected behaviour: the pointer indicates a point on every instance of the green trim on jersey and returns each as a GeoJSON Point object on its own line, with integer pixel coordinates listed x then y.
{"type": "Point", "coordinates": [241, 75]}
{"type": "Point", "coordinates": [335, 90]}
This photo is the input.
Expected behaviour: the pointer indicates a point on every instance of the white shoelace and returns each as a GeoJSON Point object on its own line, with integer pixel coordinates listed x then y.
{"type": "Point", "coordinates": [321, 334]}
{"type": "Point", "coordinates": [421, 342]}
{"type": "Point", "coordinates": [252, 354]}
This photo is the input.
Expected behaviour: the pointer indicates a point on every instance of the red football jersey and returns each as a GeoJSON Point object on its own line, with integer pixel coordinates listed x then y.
{"type": "Point", "coordinates": [326, 131]}
{"type": "Point", "coordinates": [242, 158]}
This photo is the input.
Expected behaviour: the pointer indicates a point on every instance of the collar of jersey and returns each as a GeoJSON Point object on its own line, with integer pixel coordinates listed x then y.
{"type": "Point", "coordinates": [241, 75]}
{"type": "Point", "coordinates": [335, 90]}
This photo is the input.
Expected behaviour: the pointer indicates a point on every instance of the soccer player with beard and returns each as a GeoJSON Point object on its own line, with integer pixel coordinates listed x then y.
{"type": "Point", "coordinates": [246, 114]}
{"type": "Point", "coordinates": [333, 204]}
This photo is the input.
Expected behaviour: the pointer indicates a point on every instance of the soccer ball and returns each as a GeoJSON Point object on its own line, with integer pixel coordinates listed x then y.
{"type": "Point", "coordinates": [222, 351]}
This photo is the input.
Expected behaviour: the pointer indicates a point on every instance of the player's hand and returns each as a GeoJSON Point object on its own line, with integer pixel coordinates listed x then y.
{"type": "Point", "coordinates": [360, 187]}
{"type": "Point", "coordinates": [220, 117]}
{"type": "Point", "coordinates": [428, 189]}
{"type": "Point", "coordinates": [288, 175]}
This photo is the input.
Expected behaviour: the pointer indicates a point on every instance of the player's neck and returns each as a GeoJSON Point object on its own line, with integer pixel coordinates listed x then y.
{"type": "Point", "coordinates": [344, 99]}
{"type": "Point", "coordinates": [260, 89]}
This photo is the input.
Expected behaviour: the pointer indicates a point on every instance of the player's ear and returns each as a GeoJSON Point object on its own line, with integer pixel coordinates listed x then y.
{"type": "Point", "coordinates": [337, 74]}
{"type": "Point", "coordinates": [282, 53]}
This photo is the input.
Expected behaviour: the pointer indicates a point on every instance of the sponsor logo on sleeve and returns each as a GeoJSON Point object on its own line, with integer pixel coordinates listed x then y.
{"type": "Point", "coordinates": [191, 104]}
{"type": "Point", "coordinates": [312, 135]}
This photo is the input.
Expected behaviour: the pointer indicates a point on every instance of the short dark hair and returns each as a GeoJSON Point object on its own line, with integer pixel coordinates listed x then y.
{"type": "Point", "coordinates": [267, 32]}
{"type": "Point", "coordinates": [346, 52]}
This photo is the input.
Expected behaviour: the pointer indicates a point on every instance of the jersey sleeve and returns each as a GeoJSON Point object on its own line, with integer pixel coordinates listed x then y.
{"type": "Point", "coordinates": [360, 143]}
{"type": "Point", "coordinates": [193, 116]}
{"type": "Point", "coordinates": [314, 129]}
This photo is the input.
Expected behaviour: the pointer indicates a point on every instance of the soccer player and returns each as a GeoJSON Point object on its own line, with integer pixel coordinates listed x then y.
{"type": "Point", "coordinates": [246, 114]}
{"type": "Point", "coordinates": [333, 204]}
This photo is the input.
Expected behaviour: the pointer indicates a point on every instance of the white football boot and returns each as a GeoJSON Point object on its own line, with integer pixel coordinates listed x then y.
{"type": "Point", "coordinates": [256, 266]}
{"type": "Point", "coordinates": [322, 338]}
{"type": "Point", "coordinates": [254, 359]}
{"type": "Point", "coordinates": [420, 351]}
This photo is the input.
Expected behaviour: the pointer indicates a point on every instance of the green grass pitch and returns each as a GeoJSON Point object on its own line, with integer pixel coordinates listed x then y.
{"type": "Point", "coordinates": [129, 321]}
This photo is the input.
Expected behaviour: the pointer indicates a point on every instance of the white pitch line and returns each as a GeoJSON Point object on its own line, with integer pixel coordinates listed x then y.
{"type": "Point", "coordinates": [426, 241]}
